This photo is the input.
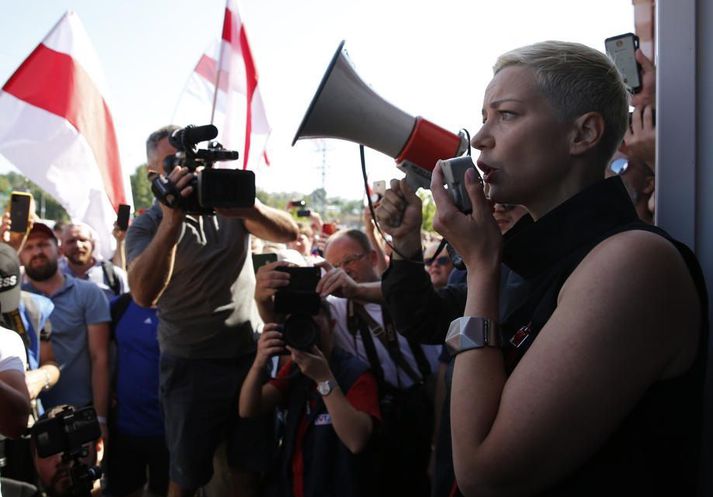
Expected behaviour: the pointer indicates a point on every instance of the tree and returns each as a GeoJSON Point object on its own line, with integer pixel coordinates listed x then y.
{"type": "Point", "coordinates": [428, 209]}
{"type": "Point", "coordinates": [47, 207]}
{"type": "Point", "coordinates": [5, 186]}
{"type": "Point", "coordinates": [141, 189]}
{"type": "Point", "coordinates": [318, 198]}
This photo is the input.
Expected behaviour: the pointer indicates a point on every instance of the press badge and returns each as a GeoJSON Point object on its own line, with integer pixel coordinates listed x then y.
{"type": "Point", "coordinates": [322, 420]}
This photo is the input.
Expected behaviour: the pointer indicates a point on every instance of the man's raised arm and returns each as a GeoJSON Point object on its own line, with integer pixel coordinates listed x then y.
{"type": "Point", "coordinates": [265, 222]}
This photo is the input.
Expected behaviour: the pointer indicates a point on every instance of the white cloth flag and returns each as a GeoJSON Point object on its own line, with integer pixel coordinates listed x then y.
{"type": "Point", "coordinates": [239, 112]}
{"type": "Point", "coordinates": [56, 129]}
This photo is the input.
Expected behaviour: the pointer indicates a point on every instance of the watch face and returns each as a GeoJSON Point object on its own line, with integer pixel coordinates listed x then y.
{"type": "Point", "coordinates": [324, 387]}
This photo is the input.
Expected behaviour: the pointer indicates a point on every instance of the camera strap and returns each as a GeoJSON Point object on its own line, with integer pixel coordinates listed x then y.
{"type": "Point", "coordinates": [424, 367]}
{"type": "Point", "coordinates": [368, 328]}
{"type": "Point", "coordinates": [357, 325]}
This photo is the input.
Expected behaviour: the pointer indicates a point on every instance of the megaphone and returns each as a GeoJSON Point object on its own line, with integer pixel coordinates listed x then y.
{"type": "Point", "coordinates": [345, 107]}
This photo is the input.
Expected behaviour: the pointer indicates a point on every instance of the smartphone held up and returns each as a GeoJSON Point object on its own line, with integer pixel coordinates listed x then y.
{"type": "Point", "coordinates": [621, 50]}
{"type": "Point", "coordinates": [20, 205]}
{"type": "Point", "coordinates": [122, 217]}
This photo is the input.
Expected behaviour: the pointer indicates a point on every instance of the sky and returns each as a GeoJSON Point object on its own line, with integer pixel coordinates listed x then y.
{"type": "Point", "coordinates": [432, 59]}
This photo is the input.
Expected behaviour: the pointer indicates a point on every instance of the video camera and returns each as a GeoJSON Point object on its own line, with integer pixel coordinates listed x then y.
{"type": "Point", "coordinates": [211, 187]}
{"type": "Point", "coordinates": [299, 208]}
{"type": "Point", "coordinates": [68, 432]}
{"type": "Point", "coordinates": [300, 302]}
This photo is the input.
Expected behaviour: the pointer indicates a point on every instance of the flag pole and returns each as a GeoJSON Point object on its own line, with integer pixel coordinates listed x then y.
{"type": "Point", "coordinates": [219, 62]}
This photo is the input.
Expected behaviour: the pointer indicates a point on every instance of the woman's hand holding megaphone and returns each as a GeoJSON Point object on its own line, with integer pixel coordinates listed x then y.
{"type": "Point", "coordinates": [399, 215]}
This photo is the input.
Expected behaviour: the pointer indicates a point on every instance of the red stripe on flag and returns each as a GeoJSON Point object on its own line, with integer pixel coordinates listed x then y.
{"type": "Point", "coordinates": [227, 23]}
{"type": "Point", "coordinates": [206, 69]}
{"type": "Point", "coordinates": [52, 81]}
{"type": "Point", "coordinates": [251, 86]}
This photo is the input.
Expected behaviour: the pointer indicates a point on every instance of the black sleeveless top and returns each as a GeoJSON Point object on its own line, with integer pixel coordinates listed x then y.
{"type": "Point", "coordinates": [655, 451]}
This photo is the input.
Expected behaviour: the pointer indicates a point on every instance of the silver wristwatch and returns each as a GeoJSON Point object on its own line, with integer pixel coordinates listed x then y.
{"type": "Point", "coordinates": [325, 387]}
{"type": "Point", "coordinates": [472, 333]}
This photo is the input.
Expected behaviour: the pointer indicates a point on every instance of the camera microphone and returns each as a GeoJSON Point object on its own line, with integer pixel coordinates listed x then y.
{"type": "Point", "coordinates": [186, 138]}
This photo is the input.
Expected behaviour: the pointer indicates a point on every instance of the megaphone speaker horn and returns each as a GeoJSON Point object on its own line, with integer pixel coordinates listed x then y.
{"type": "Point", "coordinates": [345, 107]}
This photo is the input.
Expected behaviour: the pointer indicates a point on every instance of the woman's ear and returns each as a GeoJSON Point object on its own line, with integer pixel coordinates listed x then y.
{"type": "Point", "coordinates": [586, 133]}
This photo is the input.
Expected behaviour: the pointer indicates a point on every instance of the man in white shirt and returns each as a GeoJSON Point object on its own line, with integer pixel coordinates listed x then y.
{"type": "Point", "coordinates": [14, 398]}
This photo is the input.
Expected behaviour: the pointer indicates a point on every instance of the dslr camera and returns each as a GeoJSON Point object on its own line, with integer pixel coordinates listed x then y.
{"type": "Point", "coordinates": [67, 433]}
{"type": "Point", "coordinates": [300, 302]}
{"type": "Point", "coordinates": [212, 188]}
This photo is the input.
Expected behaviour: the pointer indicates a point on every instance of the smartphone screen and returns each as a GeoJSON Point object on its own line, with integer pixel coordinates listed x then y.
{"type": "Point", "coordinates": [122, 217]}
{"type": "Point", "coordinates": [19, 211]}
{"type": "Point", "coordinates": [620, 50]}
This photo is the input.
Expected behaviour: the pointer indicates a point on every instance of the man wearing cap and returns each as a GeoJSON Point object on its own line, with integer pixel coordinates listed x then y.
{"type": "Point", "coordinates": [14, 400]}
{"type": "Point", "coordinates": [26, 314]}
{"type": "Point", "coordinates": [80, 330]}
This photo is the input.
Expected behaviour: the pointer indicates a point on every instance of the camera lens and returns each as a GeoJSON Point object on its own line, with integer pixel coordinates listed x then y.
{"type": "Point", "coordinates": [300, 332]}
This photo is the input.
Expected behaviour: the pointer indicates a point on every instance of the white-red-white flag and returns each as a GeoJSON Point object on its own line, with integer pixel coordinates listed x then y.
{"type": "Point", "coordinates": [228, 98]}
{"type": "Point", "coordinates": [56, 128]}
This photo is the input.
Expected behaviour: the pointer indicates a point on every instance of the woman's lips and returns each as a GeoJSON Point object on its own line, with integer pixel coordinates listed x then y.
{"type": "Point", "coordinates": [488, 171]}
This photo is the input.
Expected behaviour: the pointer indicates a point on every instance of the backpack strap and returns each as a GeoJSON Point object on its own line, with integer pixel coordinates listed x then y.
{"type": "Point", "coordinates": [41, 324]}
{"type": "Point", "coordinates": [13, 321]}
{"type": "Point", "coordinates": [118, 308]}
{"type": "Point", "coordinates": [110, 276]}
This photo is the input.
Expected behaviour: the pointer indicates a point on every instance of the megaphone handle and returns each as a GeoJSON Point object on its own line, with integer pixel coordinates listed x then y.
{"type": "Point", "coordinates": [415, 182]}
{"type": "Point", "coordinates": [416, 177]}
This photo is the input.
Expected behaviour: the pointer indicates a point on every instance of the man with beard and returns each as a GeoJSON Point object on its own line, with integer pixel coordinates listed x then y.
{"type": "Point", "coordinates": [54, 472]}
{"type": "Point", "coordinates": [79, 248]}
{"type": "Point", "coordinates": [80, 330]}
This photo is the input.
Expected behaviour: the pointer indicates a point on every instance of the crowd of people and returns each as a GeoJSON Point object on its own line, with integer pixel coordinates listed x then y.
{"type": "Point", "coordinates": [561, 353]}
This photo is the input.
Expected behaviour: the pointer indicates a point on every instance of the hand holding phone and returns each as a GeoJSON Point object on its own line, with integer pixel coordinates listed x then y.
{"type": "Point", "coordinates": [647, 94]}
{"type": "Point", "coordinates": [122, 217]}
{"type": "Point", "coordinates": [621, 50]}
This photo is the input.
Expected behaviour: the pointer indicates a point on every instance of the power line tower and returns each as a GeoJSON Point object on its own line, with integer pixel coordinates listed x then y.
{"type": "Point", "coordinates": [322, 147]}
